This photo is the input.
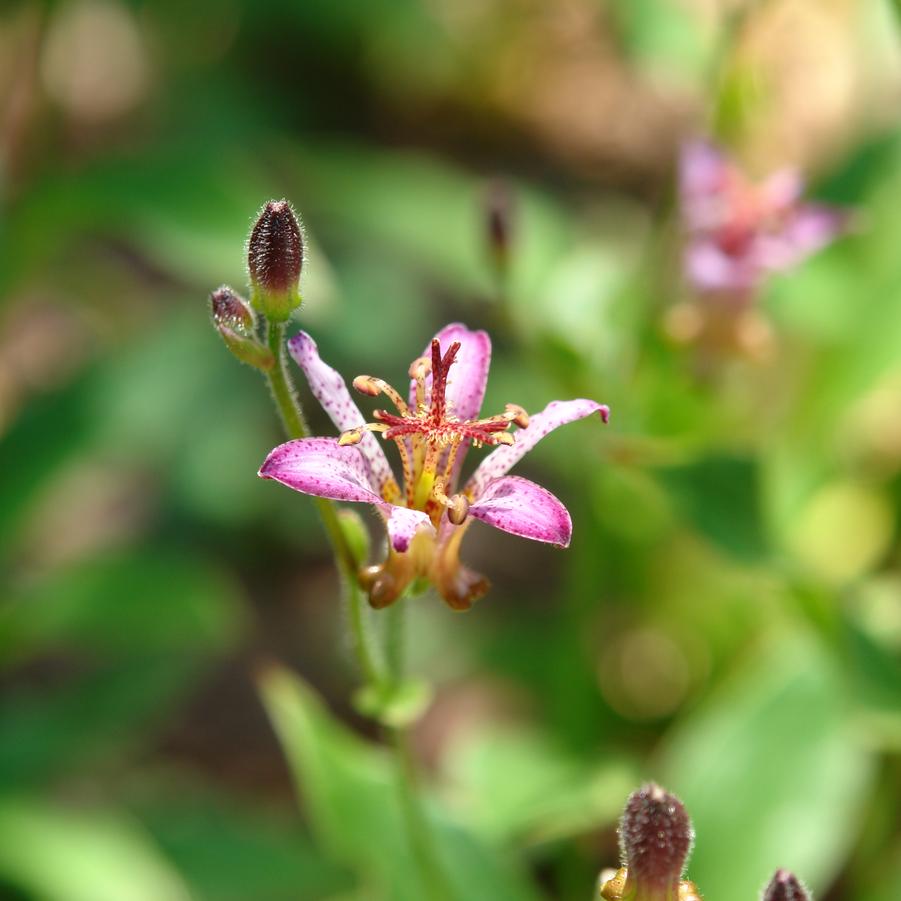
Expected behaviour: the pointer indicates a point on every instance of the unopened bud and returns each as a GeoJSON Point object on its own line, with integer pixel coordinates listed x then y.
{"type": "Point", "coordinates": [458, 509]}
{"type": "Point", "coordinates": [656, 835]}
{"type": "Point", "coordinates": [785, 886]}
{"type": "Point", "coordinates": [274, 260]}
{"type": "Point", "coordinates": [231, 311]}
{"type": "Point", "coordinates": [367, 384]}
{"type": "Point", "coordinates": [234, 320]}
{"type": "Point", "coordinates": [518, 415]}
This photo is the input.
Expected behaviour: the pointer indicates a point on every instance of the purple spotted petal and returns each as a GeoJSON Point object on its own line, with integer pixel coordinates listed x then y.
{"type": "Point", "coordinates": [808, 229]}
{"type": "Point", "coordinates": [710, 269]}
{"type": "Point", "coordinates": [781, 190]}
{"type": "Point", "coordinates": [321, 467]}
{"type": "Point", "coordinates": [403, 524]}
{"type": "Point", "coordinates": [330, 389]}
{"type": "Point", "coordinates": [469, 373]}
{"type": "Point", "coordinates": [703, 175]}
{"type": "Point", "coordinates": [556, 413]}
{"type": "Point", "coordinates": [516, 505]}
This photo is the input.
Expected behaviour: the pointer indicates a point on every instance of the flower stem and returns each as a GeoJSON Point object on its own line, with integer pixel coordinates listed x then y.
{"type": "Point", "coordinates": [288, 405]}
{"type": "Point", "coordinates": [419, 829]}
{"type": "Point", "coordinates": [418, 826]}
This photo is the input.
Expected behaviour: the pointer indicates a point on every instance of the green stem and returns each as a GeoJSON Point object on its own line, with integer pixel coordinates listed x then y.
{"type": "Point", "coordinates": [288, 405]}
{"type": "Point", "coordinates": [419, 829]}
{"type": "Point", "coordinates": [418, 826]}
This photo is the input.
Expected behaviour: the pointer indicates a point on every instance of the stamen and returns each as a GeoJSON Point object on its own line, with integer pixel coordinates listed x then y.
{"type": "Point", "coordinates": [373, 387]}
{"type": "Point", "coordinates": [458, 509]}
{"type": "Point", "coordinates": [355, 435]}
{"type": "Point", "coordinates": [518, 415]}
{"type": "Point", "coordinates": [419, 370]}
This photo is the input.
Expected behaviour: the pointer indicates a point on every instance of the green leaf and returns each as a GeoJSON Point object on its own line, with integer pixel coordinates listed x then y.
{"type": "Point", "coordinates": [230, 852]}
{"type": "Point", "coordinates": [133, 604]}
{"type": "Point", "coordinates": [772, 772]}
{"type": "Point", "coordinates": [349, 789]}
{"type": "Point", "coordinates": [720, 496]}
{"type": "Point", "coordinates": [60, 854]}
{"type": "Point", "coordinates": [516, 784]}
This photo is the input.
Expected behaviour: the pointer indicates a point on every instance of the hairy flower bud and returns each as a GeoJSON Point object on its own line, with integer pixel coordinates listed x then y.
{"type": "Point", "coordinates": [656, 836]}
{"type": "Point", "coordinates": [274, 260]}
{"type": "Point", "coordinates": [234, 320]}
{"type": "Point", "coordinates": [785, 886]}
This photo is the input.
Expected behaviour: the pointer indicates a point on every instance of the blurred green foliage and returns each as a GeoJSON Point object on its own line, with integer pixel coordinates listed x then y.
{"type": "Point", "coordinates": [728, 618]}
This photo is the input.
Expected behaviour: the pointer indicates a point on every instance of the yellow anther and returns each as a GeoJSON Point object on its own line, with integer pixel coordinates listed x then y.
{"type": "Point", "coordinates": [688, 891]}
{"type": "Point", "coordinates": [613, 888]}
{"type": "Point", "coordinates": [350, 437]}
{"type": "Point", "coordinates": [502, 438]}
{"type": "Point", "coordinates": [517, 415]}
{"type": "Point", "coordinates": [367, 384]}
{"type": "Point", "coordinates": [457, 509]}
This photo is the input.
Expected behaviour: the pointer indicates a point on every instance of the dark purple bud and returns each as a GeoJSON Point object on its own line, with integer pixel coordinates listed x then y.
{"type": "Point", "coordinates": [656, 835]}
{"type": "Point", "coordinates": [231, 311]}
{"type": "Point", "coordinates": [234, 320]}
{"type": "Point", "coordinates": [785, 886]}
{"type": "Point", "coordinates": [275, 258]}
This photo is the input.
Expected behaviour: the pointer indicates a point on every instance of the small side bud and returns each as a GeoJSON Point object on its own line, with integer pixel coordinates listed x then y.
{"type": "Point", "coordinates": [656, 837]}
{"type": "Point", "coordinates": [458, 509]}
{"type": "Point", "coordinates": [231, 311]}
{"type": "Point", "coordinates": [785, 886]}
{"type": "Point", "coordinates": [234, 320]}
{"type": "Point", "coordinates": [518, 415]}
{"type": "Point", "coordinates": [368, 385]}
{"type": "Point", "coordinates": [274, 260]}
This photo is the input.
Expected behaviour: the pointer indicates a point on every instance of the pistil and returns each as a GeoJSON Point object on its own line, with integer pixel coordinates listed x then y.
{"type": "Point", "coordinates": [428, 435]}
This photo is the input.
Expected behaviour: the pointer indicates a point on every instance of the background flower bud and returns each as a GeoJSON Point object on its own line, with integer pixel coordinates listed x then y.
{"type": "Point", "coordinates": [785, 886]}
{"type": "Point", "coordinates": [499, 224]}
{"type": "Point", "coordinates": [275, 259]}
{"type": "Point", "coordinates": [235, 322]}
{"type": "Point", "coordinates": [656, 837]}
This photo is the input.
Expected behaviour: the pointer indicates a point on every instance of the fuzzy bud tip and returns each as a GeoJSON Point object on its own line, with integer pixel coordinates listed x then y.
{"type": "Point", "coordinates": [275, 257]}
{"type": "Point", "coordinates": [656, 837]}
{"type": "Point", "coordinates": [785, 886]}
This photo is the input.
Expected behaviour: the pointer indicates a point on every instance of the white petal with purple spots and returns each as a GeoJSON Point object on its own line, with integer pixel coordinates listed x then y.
{"type": "Point", "coordinates": [521, 507]}
{"type": "Point", "coordinates": [330, 389]}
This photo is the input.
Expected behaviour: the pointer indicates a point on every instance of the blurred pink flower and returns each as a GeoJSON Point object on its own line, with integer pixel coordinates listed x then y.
{"type": "Point", "coordinates": [432, 430]}
{"type": "Point", "coordinates": [738, 231]}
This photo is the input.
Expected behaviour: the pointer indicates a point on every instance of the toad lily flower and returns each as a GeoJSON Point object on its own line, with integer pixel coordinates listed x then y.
{"type": "Point", "coordinates": [738, 231]}
{"type": "Point", "coordinates": [432, 428]}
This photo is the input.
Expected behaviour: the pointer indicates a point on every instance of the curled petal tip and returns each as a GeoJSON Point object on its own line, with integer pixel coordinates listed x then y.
{"type": "Point", "coordinates": [604, 412]}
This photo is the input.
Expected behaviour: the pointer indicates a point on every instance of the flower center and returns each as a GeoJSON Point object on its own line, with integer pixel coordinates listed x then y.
{"type": "Point", "coordinates": [428, 434]}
